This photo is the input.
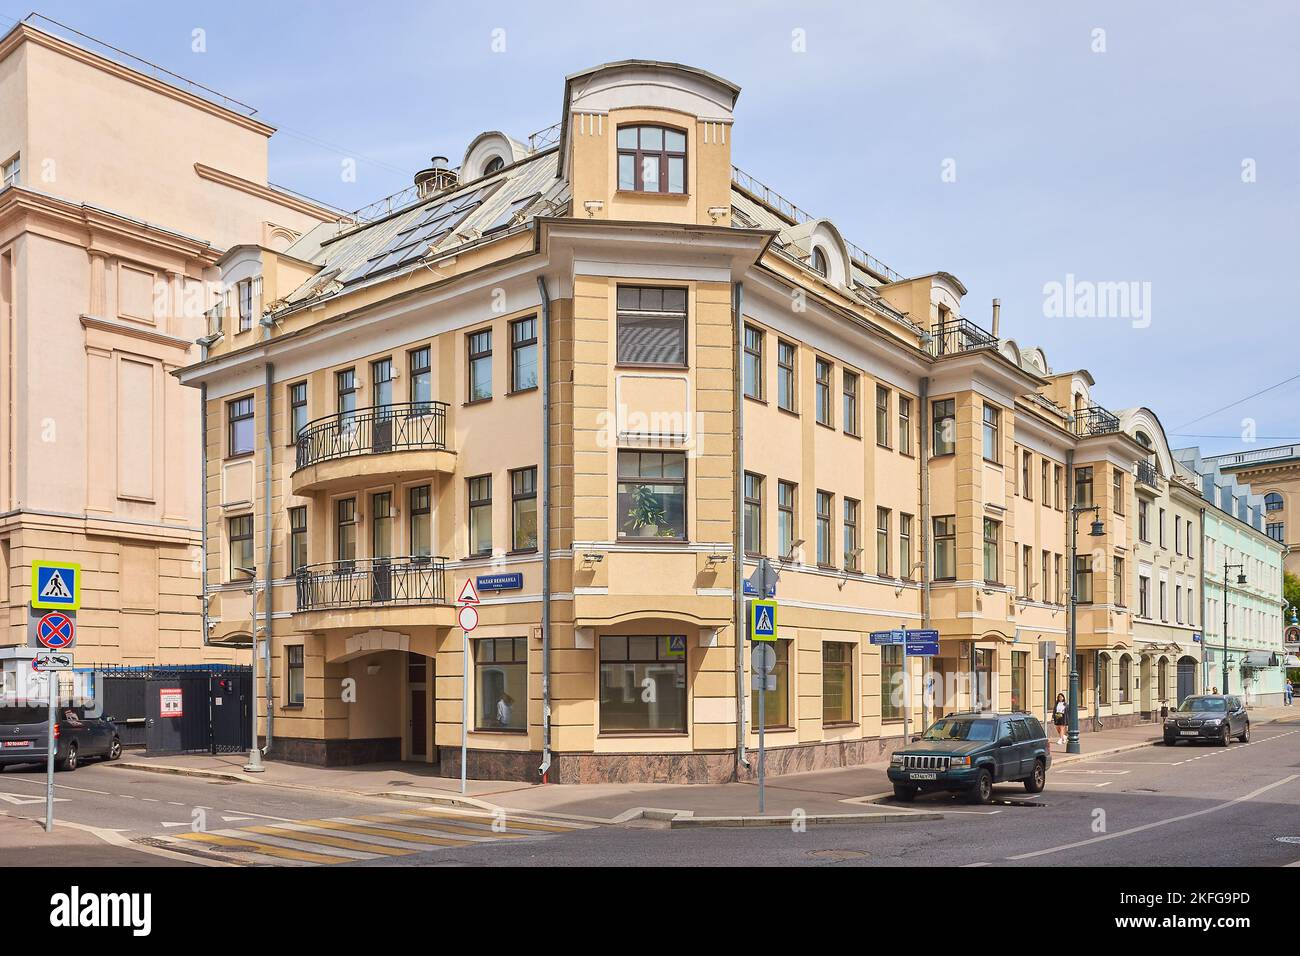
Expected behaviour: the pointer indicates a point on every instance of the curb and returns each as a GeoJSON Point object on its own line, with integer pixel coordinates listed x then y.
{"type": "Point", "coordinates": [814, 819]}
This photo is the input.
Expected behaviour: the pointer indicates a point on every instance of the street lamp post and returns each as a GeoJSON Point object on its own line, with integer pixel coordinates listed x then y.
{"type": "Point", "coordinates": [1241, 579]}
{"type": "Point", "coordinates": [1096, 531]}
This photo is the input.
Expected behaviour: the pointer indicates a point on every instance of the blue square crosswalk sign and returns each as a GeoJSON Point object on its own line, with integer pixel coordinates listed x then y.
{"type": "Point", "coordinates": [56, 584]}
{"type": "Point", "coordinates": [762, 620]}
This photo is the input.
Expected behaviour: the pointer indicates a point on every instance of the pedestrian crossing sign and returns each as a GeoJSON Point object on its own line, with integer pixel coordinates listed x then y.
{"type": "Point", "coordinates": [762, 620]}
{"type": "Point", "coordinates": [56, 584]}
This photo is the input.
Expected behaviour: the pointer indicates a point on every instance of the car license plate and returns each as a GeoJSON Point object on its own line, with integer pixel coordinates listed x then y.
{"type": "Point", "coordinates": [1190, 733]}
{"type": "Point", "coordinates": [923, 776]}
{"type": "Point", "coordinates": [17, 743]}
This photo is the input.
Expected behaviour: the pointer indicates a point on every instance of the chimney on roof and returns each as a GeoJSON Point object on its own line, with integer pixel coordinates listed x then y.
{"type": "Point", "coordinates": [436, 178]}
{"type": "Point", "coordinates": [997, 316]}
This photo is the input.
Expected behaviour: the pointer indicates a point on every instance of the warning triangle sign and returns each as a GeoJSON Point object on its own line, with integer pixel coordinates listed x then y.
{"type": "Point", "coordinates": [55, 588]}
{"type": "Point", "coordinates": [468, 595]}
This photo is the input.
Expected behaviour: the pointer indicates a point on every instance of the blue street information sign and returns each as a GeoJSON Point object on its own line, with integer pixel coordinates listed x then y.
{"type": "Point", "coordinates": [887, 637]}
{"type": "Point", "coordinates": [922, 642]}
{"type": "Point", "coordinates": [56, 585]}
{"type": "Point", "coordinates": [762, 620]}
{"type": "Point", "coordinates": [500, 582]}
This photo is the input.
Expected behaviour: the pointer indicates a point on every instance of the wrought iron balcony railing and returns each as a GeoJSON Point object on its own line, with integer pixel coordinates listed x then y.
{"type": "Point", "coordinates": [1095, 420]}
{"type": "Point", "coordinates": [372, 431]}
{"type": "Point", "coordinates": [1147, 474]}
{"type": "Point", "coordinates": [372, 582]}
{"type": "Point", "coordinates": [959, 335]}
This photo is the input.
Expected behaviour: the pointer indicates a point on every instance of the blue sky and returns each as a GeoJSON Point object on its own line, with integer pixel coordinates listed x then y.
{"type": "Point", "coordinates": [1122, 165]}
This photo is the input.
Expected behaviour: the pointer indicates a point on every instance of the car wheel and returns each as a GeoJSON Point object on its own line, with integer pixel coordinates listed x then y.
{"type": "Point", "coordinates": [1224, 739]}
{"type": "Point", "coordinates": [69, 762]}
{"type": "Point", "coordinates": [1171, 742]}
{"type": "Point", "coordinates": [904, 792]}
{"type": "Point", "coordinates": [1035, 782]}
{"type": "Point", "coordinates": [115, 749]}
{"type": "Point", "coordinates": [982, 790]}
{"type": "Point", "coordinates": [1244, 736]}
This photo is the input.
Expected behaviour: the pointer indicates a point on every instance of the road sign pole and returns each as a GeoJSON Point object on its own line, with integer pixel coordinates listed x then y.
{"type": "Point", "coordinates": [51, 678]}
{"type": "Point", "coordinates": [464, 705]}
{"type": "Point", "coordinates": [762, 747]}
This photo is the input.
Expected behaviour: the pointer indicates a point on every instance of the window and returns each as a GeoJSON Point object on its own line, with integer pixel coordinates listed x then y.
{"type": "Point", "coordinates": [837, 683]}
{"type": "Point", "coordinates": [1272, 501]}
{"type": "Point", "coordinates": [882, 416]}
{"type": "Point", "coordinates": [1178, 603]}
{"type": "Point", "coordinates": [501, 684]}
{"type": "Point", "coordinates": [1144, 522]}
{"type": "Point", "coordinates": [480, 515]}
{"type": "Point", "coordinates": [345, 397]}
{"type": "Point", "coordinates": [294, 675]}
{"type": "Point", "coordinates": [850, 386]}
{"type": "Point", "coordinates": [904, 424]}
{"type": "Point", "coordinates": [1056, 578]}
{"type": "Point", "coordinates": [297, 538]}
{"type": "Point", "coordinates": [1117, 582]}
{"type": "Point", "coordinates": [1026, 470]}
{"type": "Point", "coordinates": [785, 376]}
{"type": "Point", "coordinates": [818, 261]}
{"type": "Point", "coordinates": [785, 495]}
{"type": "Point", "coordinates": [1189, 538]}
{"type": "Point", "coordinates": [1178, 534]}
{"type": "Point", "coordinates": [241, 547]}
{"type": "Point", "coordinates": [345, 530]}
{"type": "Point", "coordinates": [1083, 487]}
{"type": "Point", "coordinates": [1057, 485]}
{"type": "Point", "coordinates": [753, 523]}
{"type": "Point", "coordinates": [1046, 578]}
{"type": "Point", "coordinates": [523, 354]}
{"type": "Point", "coordinates": [1117, 489]}
{"type": "Point", "coordinates": [1144, 596]}
{"type": "Point", "coordinates": [753, 362]}
{"type": "Point", "coordinates": [421, 386]}
{"type": "Point", "coordinates": [945, 427]}
{"type": "Point", "coordinates": [1160, 526]}
{"type": "Point", "coordinates": [480, 365]}
{"type": "Point", "coordinates": [1083, 578]}
{"type": "Point", "coordinates": [11, 171]}
{"type": "Point", "coordinates": [882, 542]}
{"type": "Point", "coordinates": [992, 532]}
{"type": "Point", "coordinates": [1026, 571]}
{"type": "Point", "coordinates": [381, 380]}
{"type": "Point", "coordinates": [982, 665]}
{"type": "Point", "coordinates": [1191, 608]}
{"type": "Point", "coordinates": [992, 417]}
{"type": "Point", "coordinates": [651, 159]}
{"type": "Point", "coordinates": [651, 326]}
{"type": "Point", "coordinates": [494, 165]}
{"type": "Point", "coordinates": [297, 410]}
{"type": "Point", "coordinates": [823, 391]}
{"type": "Point", "coordinates": [1276, 530]}
{"type": "Point", "coordinates": [244, 291]}
{"type": "Point", "coordinates": [891, 681]}
{"type": "Point", "coordinates": [776, 702]}
{"type": "Point", "coordinates": [421, 518]}
{"type": "Point", "coordinates": [1164, 609]}
{"type": "Point", "coordinates": [1125, 678]}
{"type": "Point", "coordinates": [1103, 679]}
{"type": "Point", "coordinates": [1019, 681]}
{"type": "Point", "coordinates": [381, 525]}
{"type": "Point", "coordinates": [1046, 469]}
{"type": "Point", "coordinates": [824, 499]}
{"type": "Point", "coordinates": [643, 684]}
{"type": "Point", "coordinates": [239, 422]}
{"type": "Point", "coordinates": [905, 546]}
{"type": "Point", "coordinates": [945, 548]}
{"type": "Point", "coordinates": [652, 494]}
{"type": "Point", "coordinates": [523, 509]}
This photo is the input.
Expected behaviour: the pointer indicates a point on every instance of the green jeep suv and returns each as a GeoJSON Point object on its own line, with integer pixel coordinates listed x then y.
{"type": "Point", "coordinates": [972, 752]}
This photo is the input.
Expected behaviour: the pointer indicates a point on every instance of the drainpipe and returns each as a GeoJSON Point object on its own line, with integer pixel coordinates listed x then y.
{"type": "Point", "coordinates": [737, 517]}
{"type": "Point", "coordinates": [925, 520]}
{"type": "Point", "coordinates": [267, 596]}
{"type": "Point", "coordinates": [1200, 576]}
{"type": "Point", "coordinates": [544, 769]}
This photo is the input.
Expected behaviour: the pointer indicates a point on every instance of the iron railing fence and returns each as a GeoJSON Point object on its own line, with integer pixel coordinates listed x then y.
{"type": "Point", "coordinates": [372, 582]}
{"type": "Point", "coordinates": [374, 430]}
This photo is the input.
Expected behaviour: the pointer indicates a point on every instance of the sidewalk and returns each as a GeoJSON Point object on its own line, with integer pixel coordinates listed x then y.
{"type": "Point", "coordinates": [24, 842]}
{"type": "Point", "coordinates": [852, 790]}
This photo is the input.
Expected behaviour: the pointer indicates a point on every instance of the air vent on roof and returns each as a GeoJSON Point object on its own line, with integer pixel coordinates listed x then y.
{"type": "Point", "coordinates": [436, 178]}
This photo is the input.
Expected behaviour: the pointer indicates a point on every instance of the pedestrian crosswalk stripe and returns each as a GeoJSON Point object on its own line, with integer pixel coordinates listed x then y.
{"type": "Point", "coordinates": [481, 832]}
{"type": "Point", "coordinates": [307, 836]}
{"type": "Point", "coordinates": [377, 831]}
{"type": "Point", "coordinates": [279, 852]}
{"type": "Point", "coordinates": [511, 822]}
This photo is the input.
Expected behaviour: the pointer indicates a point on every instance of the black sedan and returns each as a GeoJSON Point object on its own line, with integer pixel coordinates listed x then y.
{"type": "Point", "coordinates": [1216, 718]}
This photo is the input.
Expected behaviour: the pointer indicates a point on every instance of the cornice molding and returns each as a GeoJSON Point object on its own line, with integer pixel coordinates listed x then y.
{"type": "Point", "coordinates": [230, 180]}
{"type": "Point", "coordinates": [136, 332]}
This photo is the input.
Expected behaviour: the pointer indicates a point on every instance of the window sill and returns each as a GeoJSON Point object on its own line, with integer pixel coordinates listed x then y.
{"type": "Point", "coordinates": [239, 455]}
{"type": "Point", "coordinates": [648, 194]}
{"type": "Point", "coordinates": [755, 398]}
{"type": "Point", "coordinates": [664, 366]}
{"type": "Point", "coordinates": [291, 706]}
{"type": "Point", "coordinates": [789, 411]}
{"type": "Point", "coordinates": [476, 401]}
{"type": "Point", "coordinates": [830, 425]}
{"type": "Point", "coordinates": [521, 391]}
{"type": "Point", "coordinates": [631, 539]}
{"type": "Point", "coordinates": [625, 734]}
{"type": "Point", "coordinates": [853, 435]}
{"type": "Point", "coordinates": [521, 551]}
{"type": "Point", "coordinates": [501, 732]}
{"type": "Point", "coordinates": [839, 724]}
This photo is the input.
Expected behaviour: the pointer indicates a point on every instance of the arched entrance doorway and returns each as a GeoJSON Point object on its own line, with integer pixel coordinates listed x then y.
{"type": "Point", "coordinates": [1186, 678]}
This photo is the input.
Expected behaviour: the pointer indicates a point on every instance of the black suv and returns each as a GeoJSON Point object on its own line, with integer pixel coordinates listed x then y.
{"type": "Point", "coordinates": [1213, 717]}
{"type": "Point", "coordinates": [24, 736]}
{"type": "Point", "coordinates": [972, 752]}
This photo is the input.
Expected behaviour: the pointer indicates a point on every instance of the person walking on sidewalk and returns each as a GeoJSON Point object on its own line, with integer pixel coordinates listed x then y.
{"type": "Point", "coordinates": [1289, 692]}
{"type": "Point", "coordinates": [1058, 718]}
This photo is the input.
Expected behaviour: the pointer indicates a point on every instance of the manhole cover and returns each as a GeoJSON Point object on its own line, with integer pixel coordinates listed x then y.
{"type": "Point", "coordinates": [1295, 839]}
{"type": "Point", "coordinates": [837, 854]}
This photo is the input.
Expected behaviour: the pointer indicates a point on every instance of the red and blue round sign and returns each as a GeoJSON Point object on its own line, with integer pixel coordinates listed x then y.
{"type": "Point", "coordinates": [56, 631]}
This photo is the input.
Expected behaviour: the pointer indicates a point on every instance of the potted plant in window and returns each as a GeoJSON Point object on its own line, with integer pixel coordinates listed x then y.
{"type": "Point", "coordinates": [646, 514]}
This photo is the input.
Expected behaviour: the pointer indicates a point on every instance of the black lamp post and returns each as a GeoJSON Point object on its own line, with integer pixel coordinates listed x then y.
{"type": "Point", "coordinates": [1241, 579]}
{"type": "Point", "coordinates": [1096, 531]}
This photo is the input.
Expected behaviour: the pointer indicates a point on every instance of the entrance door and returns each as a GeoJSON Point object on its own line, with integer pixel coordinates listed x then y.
{"type": "Point", "coordinates": [418, 682]}
{"type": "Point", "coordinates": [1186, 678]}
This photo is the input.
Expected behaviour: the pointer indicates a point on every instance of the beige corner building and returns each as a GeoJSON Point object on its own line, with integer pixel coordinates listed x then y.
{"type": "Point", "coordinates": [120, 194]}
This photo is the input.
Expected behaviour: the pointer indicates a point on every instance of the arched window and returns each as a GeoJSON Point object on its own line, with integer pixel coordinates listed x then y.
{"type": "Point", "coordinates": [1272, 501]}
{"type": "Point", "coordinates": [651, 159]}
{"type": "Point", "coordinates": [818, 262]}
{"type": "Point", "coordinates": [1143, 439]}
{"type": "Point", "coordinates": [494, 165]}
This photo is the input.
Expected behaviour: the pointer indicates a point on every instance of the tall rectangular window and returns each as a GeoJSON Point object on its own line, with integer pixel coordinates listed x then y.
{"type": "Point", "coordinates": [823, 391]}
{"type": "Point", "coordinates": [753, 523]}
{"type": "Point", "coordinates": [1178, 603]}
{"type": "Point", "coordinates": [297, 410]}
{"type": "Point", "coordinates": [992, 535]}
{"type": "Point", "coordinates": [240, 533]}
{"type": "Point", "coordinates": [244, 291]}
{"type": "Point", "coordinates": [1026, 474]}
{"type": "Point", "coordinates": [381, 525]}
{"type": "Point", "coordinates": [852, 548]}
{"type": "Point", "coordinates": [651, 326]}
{"type": "Point", "coordinates": [824, 499]}
{"type": "Point", "coordinates": [786, 379]}
{"type": "Point", "coordinates": [297, 538]}
{"type": "Point", "coordinates": [944, 423]}
{"type": "Point", "coordinates": [501, 684]}
{"type": "Point", "coordinates": [523, 509]}
{"type": "Point", "coordinates": [1164, 605]}
{"type": "Point", "coordinates": [1117, 582]}
{"type": "Point", "coordinates": [837, 683]}
{"type": "Point", "coordinates": [1144, 522]}
{"type": "Point", "coordinates": [1144, 596]}
{"type": "Point", "coordinates": [1117, 489]}
{"type": "Point", "coordinates": [643, 684]}
{"type": "Point", "coordinates": [1046, 578]}
{"type": "Point", "coordinates": [1026, 571]}
{"type": "Point", "coordinates": [1160, 526]}
{"type": "Point", "coordinates": [882, 416]}
{"type": "Point", "coordinates": [1178, 534]}
{"type": "Point", "coordinates": [523, 354]}
{"type": "Point", "coordinates": [850, 386]}
{"type": "Point", "coordinates": [1189, 538]}
{"type": "Point", "coordinates": [891, 682]}
{"type": "Point", "coordinates": [652, 494]}
{"type": "Point", "coordinates": [345, 397]}
{"type": "Point", "coordinates": [785, 524]}
{"type": "Point", "coordinates": [11, 171]}
{"type": "Point", "coordinates": [882, 542]}
{"type": "Point", "coordinates": [480, 514]}
{"type": "Point", "coordinates": [1057, 579]}
{"type": "Point", "coordinates": [421, 522]}
{"type": "Point", "coordinates": [1046, 468]}
{"type": "Point", "coordinates": [905, 546]}
{"type": "Point", "coordinates": [1019, 681]}
{"type": "Point", "coordinates": [345, 530]}
{"type": "Point", "coordinates": [776, 702]}
{"type": "Point", "coordinates": [1083, 578]}
{"type": "Point", "coordinates": [294, 683]}
{"type": "Point", "coordinates": [239, 426]}
{"type": "Point", "coordinates": [945, 547]}
{"type": "Point", "coordinates": [753, 362]}
{"type": "Point", "coordinates": [904, 424]}
{"type": "Point", "coordinates": [1057, 486]}
{"type": "Point", "coordinates": [381, 382]}
{"type": "Point", "coordinates": [421, 384]}
{"type": "Point", "coordinates": [992, 446]}
{"type": "Point", "coordinates": [479, 345]}
{"type": "Point", "coordinates": [1083, 487]}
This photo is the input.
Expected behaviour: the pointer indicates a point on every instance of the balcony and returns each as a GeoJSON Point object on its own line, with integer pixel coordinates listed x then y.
{"type": "Point", "coordinates": [958, 335]}
{"type": "Point", "coordinates": [1092, 420]}
{"type": "Point", "coordinates": [1147, 475]}
{"type": "Point", "coordinates": [391, 440]}
{"type": "Point", "coordinates": [364, 593]}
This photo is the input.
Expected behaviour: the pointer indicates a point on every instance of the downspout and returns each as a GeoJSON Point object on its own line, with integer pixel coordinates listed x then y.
{"type": "Point", "coordinates": [544, 769]}
{"type": "Point", "coordinates": [925, 520]}
{"type": "Point", "coordinates": [737, 517]}
{"type": "Point", "coordinates": [267, 596]}
{"type": "Point", "coordinates": [203, 498]}
{"type": "Point", "coordinates": [1204, 668]}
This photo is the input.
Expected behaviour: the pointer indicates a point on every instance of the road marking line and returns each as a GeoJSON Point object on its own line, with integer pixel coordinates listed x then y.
{"type": "Point", "coordinates": [969, 865]}
{"type": "Point", "coordinates": [1157, 823]}
{"type": "Point", "coordinates": [247, 814]}
{"type": "Point", "coordinates": [445, 827]}
{"type": "Point", "coordinates": [279, 852]}
{"type": "Point", "coordinates": [310, 838]}
{"type": "Point", "coordinates": [379, 831]}
{"type": "Point", "coordinates": [514, 822]}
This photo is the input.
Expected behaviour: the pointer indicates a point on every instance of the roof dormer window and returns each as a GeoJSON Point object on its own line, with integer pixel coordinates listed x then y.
{"type": "Point", "coordinates": [651, 159]}
{"type": "Point", "coordinates": [494, 165]}
{"type": "Point", "coordinates": [818, 262]}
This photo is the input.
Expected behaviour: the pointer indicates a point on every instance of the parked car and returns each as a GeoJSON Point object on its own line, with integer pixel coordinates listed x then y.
{"type": "Point", "coordinates": [1213, 717]}
{"type": "Point", "coordinates": [24, 736]}
{"type": "Point", "coordinates": [972, 752]}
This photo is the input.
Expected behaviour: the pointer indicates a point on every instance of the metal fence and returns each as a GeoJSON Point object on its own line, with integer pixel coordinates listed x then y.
{"type": "Point", "coordinates": [959, 335]}
{"type": "Point", "coordinates": [366, 431]}
{"type": "Point", "coordinates": [370, 582]}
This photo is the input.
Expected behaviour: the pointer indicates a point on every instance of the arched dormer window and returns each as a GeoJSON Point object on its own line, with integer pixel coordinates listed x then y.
{"type": "Point", "coordinates": [1272, 501]}
{"type": "Point", "coordinates": [651, 159]}
{"type": "Point", "coordinates": [494, 165]}
{"type": "Point", "coordinates": [818, 262]}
